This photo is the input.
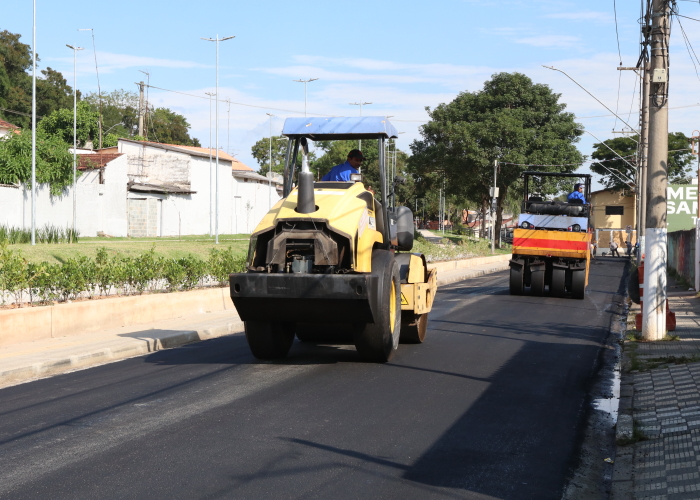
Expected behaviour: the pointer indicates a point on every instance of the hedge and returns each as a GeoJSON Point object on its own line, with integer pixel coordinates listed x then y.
{"type": "Point", "coordinates": [107, 275]}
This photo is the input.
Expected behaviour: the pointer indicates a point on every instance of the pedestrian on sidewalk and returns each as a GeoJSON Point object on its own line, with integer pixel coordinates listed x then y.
{"type": "Point", "coordinates": [613, 249]}
{"type": "Point", "coordinates": [628, 243]}
{"type": "Point", "coordinates": [593, 248]}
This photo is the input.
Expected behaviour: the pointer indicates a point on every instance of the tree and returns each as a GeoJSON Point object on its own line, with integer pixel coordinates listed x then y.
{"type": "Point", "coordinates": [15, 83]}
{"type": "Point", "coordinates": [616, 174]}
{"type": "Point", "coordinates": [120, 112]}
{"type": "Point", "coordinates": [54, 163]}
{"type": "Point", "coordinates": [511, 120]}
{"type": "Point", "coordinates": [60, 123]}
{"type": "Point", "coordinates": [169, 127]}
{"type": "Point", "coordinates": [52, 91]}
{"type": "Point", "coordinates": [261, 153]}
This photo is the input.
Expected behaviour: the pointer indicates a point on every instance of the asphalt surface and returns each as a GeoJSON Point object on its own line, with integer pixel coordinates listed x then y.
{"type": "Point", "coordinates": [492, 405]}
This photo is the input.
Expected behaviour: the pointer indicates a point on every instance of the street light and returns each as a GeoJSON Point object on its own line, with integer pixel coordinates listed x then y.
{"type": "Point", "coordinates": [75, 49]}
{"type": "Point", "coordinates": [270, 172]}
{"type": "Point", "coordinates": [359, 141]}
{"type": "Point", "coordinates": [216, 217]}
{"type": "Point", "coordinates": [305, 82]}
{"type": "Point", "coordinates": [34, 122]}
{"type": "Point", "coordinates": [211, 200]}
{"type": "Point", "coordinates": [97, 72]}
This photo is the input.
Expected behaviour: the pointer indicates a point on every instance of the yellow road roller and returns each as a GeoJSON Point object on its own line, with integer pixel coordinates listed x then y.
{"type": "Point", "coordinates": [331, 260]}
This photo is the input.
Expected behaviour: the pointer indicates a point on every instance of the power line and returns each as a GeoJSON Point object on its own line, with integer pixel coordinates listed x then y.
{"type": "Point", "coordinates": [690, 48]}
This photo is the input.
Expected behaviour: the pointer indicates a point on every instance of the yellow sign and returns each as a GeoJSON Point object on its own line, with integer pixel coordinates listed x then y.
{"type": "Point", "coordinates": [404, 302]}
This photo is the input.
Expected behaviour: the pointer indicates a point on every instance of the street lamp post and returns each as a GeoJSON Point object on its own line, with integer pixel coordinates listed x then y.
{"type": "Point", "coordinates": [211, 177]}
{"type": "Point", "coordinates": [270, 172]}
{"type": "Point", "coordinates": [34, 122]}
{"type": "Point", "coordinates": [75, 49]}
{"type": "Point", "coordinates": [216, 216]}
{"type": "Point", "coordinates": [360, 104]}
{"type": "Point", "coordinates": [305, 82]}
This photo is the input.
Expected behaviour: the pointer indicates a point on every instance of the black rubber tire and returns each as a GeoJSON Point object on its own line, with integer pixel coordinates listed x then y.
{"type": "Point", "coordinates": [413, 327]}
{"type": "Point", "coordinates": [578, 284]}
{"type": "Point", "coordinates": [516, 280]}
{"type": "Point", "coordinates": [537, 282]}
{"type": "Point", "coordinates": [558, 286]}
{"type": "Point", "coordinates": [269, 339]}
{"type": "Point", "coordinates": [377, 342]}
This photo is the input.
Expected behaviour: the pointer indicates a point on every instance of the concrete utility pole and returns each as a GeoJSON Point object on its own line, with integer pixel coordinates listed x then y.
{"type": "Point", "coordinates": [695, 145]}
{"type": "Point", "coordinates": [140, 84]}
{"type": "Point", "coordinates": [654, 310]}
{"type": "Point", "coordinates": [34, 122]}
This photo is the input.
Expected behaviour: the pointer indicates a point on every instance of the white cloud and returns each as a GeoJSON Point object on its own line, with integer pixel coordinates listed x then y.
{"type": "Point", "coordinates": [602, 17]}
{"type": "Point", "coordinates": [550, 41]}
{"type": "Point", "coordinates": [109, 62]}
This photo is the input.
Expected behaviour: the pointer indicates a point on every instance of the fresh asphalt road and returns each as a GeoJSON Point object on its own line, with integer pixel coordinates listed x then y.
{"type": "Point", "coordinates": [492, 405]}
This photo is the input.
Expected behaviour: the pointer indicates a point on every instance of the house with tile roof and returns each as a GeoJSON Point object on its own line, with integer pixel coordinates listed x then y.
{"type": "Point", "coordinates": [6, 128]}
{"type": "Point", "coordinates": [172, 190]}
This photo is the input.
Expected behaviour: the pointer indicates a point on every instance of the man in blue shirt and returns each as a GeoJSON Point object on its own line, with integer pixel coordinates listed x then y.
{"type": "Point", "coordinates": [341, 173]}
{"type": "Point", "coordinates": [577, 194]}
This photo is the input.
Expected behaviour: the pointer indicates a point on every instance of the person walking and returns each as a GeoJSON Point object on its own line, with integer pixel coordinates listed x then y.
{"type": "Point", "coordinates": [613, 249]}
{"type": "Point", "coordinates": [628, 243]}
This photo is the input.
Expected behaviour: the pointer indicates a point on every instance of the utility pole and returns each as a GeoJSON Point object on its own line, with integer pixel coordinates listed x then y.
{"type": "Point", "coordinates": [695, 148]}
{"type": "Point", "coordinates": [494, 205]}
{"type": "Point", "coordinates": [140, 84]}
{"type": "Point", "coordinates": [654, 310]}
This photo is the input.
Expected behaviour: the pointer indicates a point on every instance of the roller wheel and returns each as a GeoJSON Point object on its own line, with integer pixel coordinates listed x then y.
{"type": "Point", "coordinates": [516, 280]}
{"type": "Point", "coordinates": [578, 284]}
{"type": "Point", "coordinates": [558, 286]}
{"type": "Point", "coordinates": [269, 339]}
{"type": "Point", "coordinates": [537, 282]}
{"type": "Point", "coordinates": [378, 341]}
{"type": "Point", "coordinates": [413, 327]}
{"type": "Point", "coordinates": [326, 333]}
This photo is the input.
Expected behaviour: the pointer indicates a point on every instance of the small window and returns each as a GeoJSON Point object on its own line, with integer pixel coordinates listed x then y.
{"type": "Point", "coordinates": [614, 210]}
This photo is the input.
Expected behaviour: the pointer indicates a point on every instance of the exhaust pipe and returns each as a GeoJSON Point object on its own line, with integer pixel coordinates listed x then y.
{"type": "Point", "coordinates": [306, 202]}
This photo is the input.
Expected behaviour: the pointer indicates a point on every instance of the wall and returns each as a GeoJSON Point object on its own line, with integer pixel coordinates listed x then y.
{"type": "Point", "coordinates": [681, 253]}
{"type": "Point", "coordinates": [100, 207]}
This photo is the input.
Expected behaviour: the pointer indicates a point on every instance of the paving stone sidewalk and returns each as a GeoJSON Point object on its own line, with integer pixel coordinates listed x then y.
{"type": "Point", "coordinates": [665, 408]}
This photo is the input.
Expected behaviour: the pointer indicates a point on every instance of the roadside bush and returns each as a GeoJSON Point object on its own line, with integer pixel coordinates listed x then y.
{"type": "Point", "coordinates": [105, 274]}
{"type": "Point", "coordinates": [13, 273]}
{"type": "Point", "coordinates": [223, 262]}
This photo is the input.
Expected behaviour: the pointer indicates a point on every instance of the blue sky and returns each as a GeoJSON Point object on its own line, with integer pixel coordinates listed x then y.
{"type": "Point", "coordinates": [401, 56]}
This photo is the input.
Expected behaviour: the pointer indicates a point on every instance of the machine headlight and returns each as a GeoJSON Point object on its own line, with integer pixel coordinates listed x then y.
{"type": "Point", "coordinates": [576, 227]}
{"type": "Point", "coordinates": [525, 225]}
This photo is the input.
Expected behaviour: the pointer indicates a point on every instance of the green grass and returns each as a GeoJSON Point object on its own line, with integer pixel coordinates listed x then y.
{"type": "Point", "coordinates": [168, 247]}
{"type": "Point", "coordinates": [456, 247]}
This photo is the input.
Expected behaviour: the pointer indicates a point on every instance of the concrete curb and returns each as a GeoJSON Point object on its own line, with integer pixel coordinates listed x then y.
{"type": "Point", "coordinates": [472, 273]}
{"type": "Point", "coordinates": [146, 344]}
{"type": "Point", "coordinates": [128, 349]}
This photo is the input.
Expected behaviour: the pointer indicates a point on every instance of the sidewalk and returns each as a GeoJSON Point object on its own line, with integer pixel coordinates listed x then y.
{"type": "Point", "coordinates": [660, 409]}
{"type": "Point", "coordinates": [33, 360]}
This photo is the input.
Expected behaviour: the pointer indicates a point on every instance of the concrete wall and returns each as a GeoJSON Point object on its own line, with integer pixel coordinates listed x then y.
{"type": "Point", "coordinates": [100, 207]}
{"type": "Point", "coordinates": [681, 253]}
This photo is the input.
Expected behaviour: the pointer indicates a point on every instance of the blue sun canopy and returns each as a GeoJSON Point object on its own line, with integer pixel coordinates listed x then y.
{"type": "Point", "coordinates": [339, 128]}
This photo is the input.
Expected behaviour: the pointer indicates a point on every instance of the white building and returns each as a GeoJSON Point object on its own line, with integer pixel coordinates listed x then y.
{"type": "Point", "coordinates": [149, 189]}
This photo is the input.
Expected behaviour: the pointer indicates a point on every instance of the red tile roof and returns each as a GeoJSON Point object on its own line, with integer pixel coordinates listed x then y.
{"type": "Point", "coordinates": [98, 160]}
{"type": "Point", "coordinates": [8, 125]}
